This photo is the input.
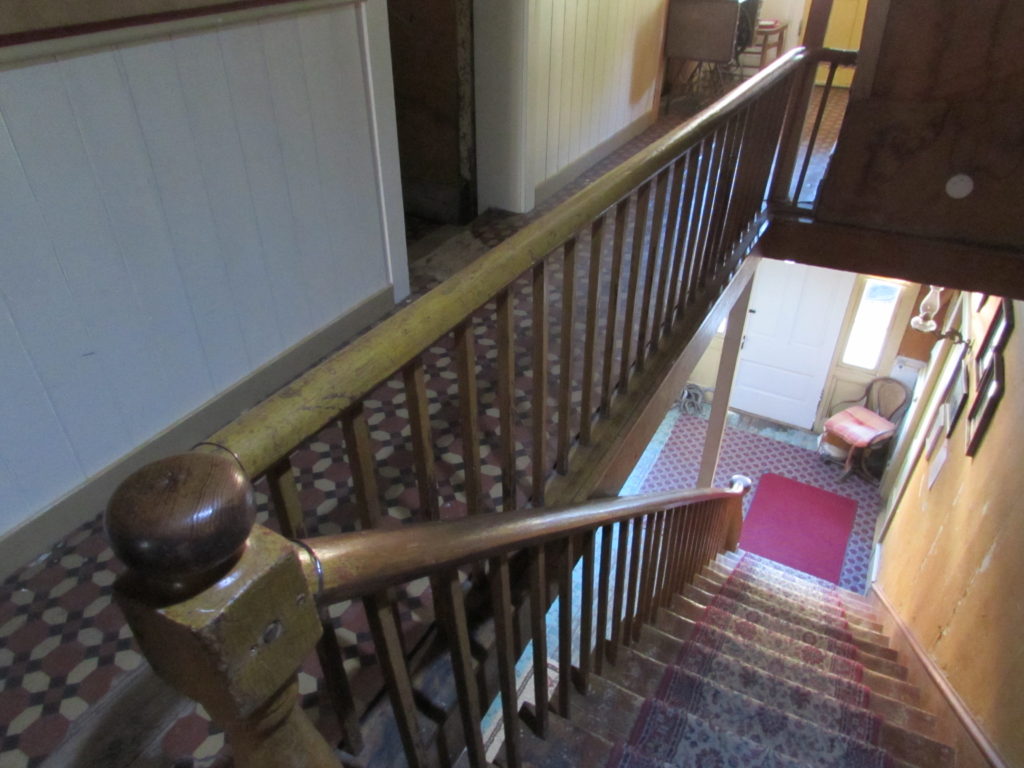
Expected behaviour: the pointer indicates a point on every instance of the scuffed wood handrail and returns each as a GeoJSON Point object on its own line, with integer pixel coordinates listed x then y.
{"type": "Point", "coordinates": [272, 429]}
{"type": "Point", "coordinates": [355, 564]}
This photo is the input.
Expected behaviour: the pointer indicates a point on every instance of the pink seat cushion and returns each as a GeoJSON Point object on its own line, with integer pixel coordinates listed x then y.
{"type": "Point", "coordinates": [859, 426]}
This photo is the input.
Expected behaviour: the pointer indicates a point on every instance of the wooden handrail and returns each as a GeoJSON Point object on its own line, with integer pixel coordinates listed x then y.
{"type": "Point", "coordinates": [354, 564]}
{"type": "Point", "coordinates": [272, 429]}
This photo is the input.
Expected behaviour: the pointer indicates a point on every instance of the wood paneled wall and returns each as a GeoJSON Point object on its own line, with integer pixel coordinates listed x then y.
{"type": "Point", "coordinates": [175, 213]}
{"type": "Point", "coordinates": [573, 81]}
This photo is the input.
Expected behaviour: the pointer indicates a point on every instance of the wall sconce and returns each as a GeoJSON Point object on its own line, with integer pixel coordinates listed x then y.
{"type": "Point", "coordinates": [925, 319]}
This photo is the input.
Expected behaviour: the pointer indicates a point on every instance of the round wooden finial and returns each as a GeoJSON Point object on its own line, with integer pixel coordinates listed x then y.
{"type": "Point", "coordinates": [180, 522]}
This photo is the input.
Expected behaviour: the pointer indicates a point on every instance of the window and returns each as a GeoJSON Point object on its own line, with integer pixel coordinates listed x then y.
{"type": "Point", "coordinates": [870, 329]}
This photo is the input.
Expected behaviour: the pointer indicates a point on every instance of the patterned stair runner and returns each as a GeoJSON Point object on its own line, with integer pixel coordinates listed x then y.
{"type": "Point", "coordinates": [781, 691]}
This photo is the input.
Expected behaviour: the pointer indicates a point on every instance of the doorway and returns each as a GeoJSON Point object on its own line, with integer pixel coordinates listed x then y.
{"type": "Point", "coordinates": [432, 65]}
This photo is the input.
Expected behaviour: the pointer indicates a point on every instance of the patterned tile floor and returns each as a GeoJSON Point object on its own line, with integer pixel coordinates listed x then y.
{"type": "Point", "coordinates": [65, 652]}
{"type": "Point", "coordinates": [673, 458]}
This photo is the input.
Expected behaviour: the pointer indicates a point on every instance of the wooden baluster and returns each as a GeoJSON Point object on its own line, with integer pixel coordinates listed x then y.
{"type": "Point", "coordinates": [506, 401]}
{"type": "Point", "coordinates": [465, 361]}
{"type": "Point", "coordinates": [618, 243]}
{"type": "Point", "coordinates": [565, 354]}
{"type": "Point", "coordinates": [565, 628]}
{"type": "Point", "coordinates": [538, 623]}
{"type": "Point", "coordinates": [668, 260]}
{"type": "Point", "coordinates": [381, 611]}
{"type": "Point", "coordinates": [678, 291]}
{"type": "Point", "coordinates": [653, 249]}
{"type": "Point", "coordinates": [632, 592]}
{"type": "Point", "coordinates": [698, 206]}
{"type": "Point", "coordinates": [586, 613]}
{"type": "Point", "coordinates": [360, 459]}
{"type": "Point", "coordinates": [540, 382]}
{"type": "Point", "coordinates": [643, 198]}
{"type": "Point", "coordinates": [422, 446]}
{"type": "Point", "coordinates": [621, 556]}
{"type": "Point", "coordinates": [650, 565]}
{"type": "Point", "coordinates": [689, 543]}
{"type": "Point", "coordinates": [448, 593]}
{"type": "Point", "coordinates": [590, 340]}
{"type": "Point", "coordinates": [751, 186]}
{"type": "Point", "coordinates": [822, 103]}
{"type": "Point", "coordinates": [603, 596]}
{"type": "Point", "coordinates": [714, 204]}
{"type": "Point", "coordinates": [284, 495]}
{"type": "Point", "coordinates": [663, 539]}
{"type": "Point", "coordinates": [678, 519]}
{"type": "Point", "coordinates": [501, 600]}
{"type": "Point", "coordinates": [387, 638]}
{"type": "Point", "coordinates": [337, 685]}
{"type": "Point", "coordinates": [721, 249]}
{"type": "Point", "coordinates": [220, 608]}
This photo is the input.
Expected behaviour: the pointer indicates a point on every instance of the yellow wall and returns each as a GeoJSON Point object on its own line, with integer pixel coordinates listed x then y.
{"type": "Point", "coordinates": [953, 564]}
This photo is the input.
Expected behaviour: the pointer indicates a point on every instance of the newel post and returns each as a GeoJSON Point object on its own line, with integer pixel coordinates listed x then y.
{"type": "Point", "coordinates": [219, 605]}
{"type": "Point", "coordinates": [742, 484]}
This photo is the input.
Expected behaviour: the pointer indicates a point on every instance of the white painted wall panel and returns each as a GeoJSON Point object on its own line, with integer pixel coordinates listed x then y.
{"type": "Point", "coordinates": [175, 213]}
{"type": "Point", "coordinates": [591, 68]}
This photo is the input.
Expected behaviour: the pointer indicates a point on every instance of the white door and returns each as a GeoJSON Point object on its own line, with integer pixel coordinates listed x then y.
{"type": "Point", "coordinates": [796, 313]}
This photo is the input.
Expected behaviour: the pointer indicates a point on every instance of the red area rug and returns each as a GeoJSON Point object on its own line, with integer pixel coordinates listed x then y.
{"type": "Point", "coordinates": [799, 525]}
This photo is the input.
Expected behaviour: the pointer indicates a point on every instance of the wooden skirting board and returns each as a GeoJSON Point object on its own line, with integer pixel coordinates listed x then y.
{"type": "Point", "coordinates": [37, 534]}
{"type": "Point", "coordinates": [956, 723]}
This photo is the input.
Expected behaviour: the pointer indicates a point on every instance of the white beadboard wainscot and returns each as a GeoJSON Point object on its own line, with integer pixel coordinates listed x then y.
{"type": "Point", "coordinates": [176, 212]}
{"type": "Point", "coordinates": [559, 85]}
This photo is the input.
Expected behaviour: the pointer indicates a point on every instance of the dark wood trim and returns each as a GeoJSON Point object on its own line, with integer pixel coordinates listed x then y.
{"type": "Point", "coordinates": [870, 251]}
{"type": "Point", "coordinates": [902, 635]}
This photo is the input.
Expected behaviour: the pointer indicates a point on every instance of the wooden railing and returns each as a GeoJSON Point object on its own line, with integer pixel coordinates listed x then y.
{"type": "Point", "coordinates": [225, 610]}
{"type": "Point", "coordinates": [802, 146]}
{"type": "Point", "coordinates": [638, 259]}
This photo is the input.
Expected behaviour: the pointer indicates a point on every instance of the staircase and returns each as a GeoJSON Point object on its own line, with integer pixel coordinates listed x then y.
{"type": "Point", "coordinates": [755, 664]}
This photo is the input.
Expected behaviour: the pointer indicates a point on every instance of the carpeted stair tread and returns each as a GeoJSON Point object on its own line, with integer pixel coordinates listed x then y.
{"type": "Point", "coordinates": [803, 583]}
{"type": "Point", "coordinates": [670, 736]}
{"type": "Point", "coordinates": [772, 571]}
{"type": "Point", "coordinates": [847, 715]}
{"type": "Point", "coordinates": [796, 580]}
{"type": "Point", "coordinates": [715, 582]}
{"type": "Point", "coordinates": [820, 636]}
{"type": "Point", "coordinates": [771, 591]}
{"type": "Point", "coordinates": [607, 710]}
{"type": "Point", "coordinates": [670, 626]}
{"type": "Point", "coordinates": [849, 719]}
{"type": "Point", "coordinates": [771, 727]}
{"type": "Point", "coordinates": [786, 638]}
{"type": "Point", "coordinates": [702, 591]}
{"type": "Point", "coordinates": [797, 591]}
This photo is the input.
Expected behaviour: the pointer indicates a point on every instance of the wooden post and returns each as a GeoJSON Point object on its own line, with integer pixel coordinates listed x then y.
{"type": "Point", "coordinates": [220, 607]}
{"type": "Point", "coordinates": [735, 519]}
{"type": "Point", "coordinates": [723, 388]}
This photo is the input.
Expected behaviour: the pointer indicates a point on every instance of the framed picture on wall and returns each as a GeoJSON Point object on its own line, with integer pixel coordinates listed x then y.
{"type": "Point", "coordinates": [956, 396]}
{"type": "Point", "coordinates": [990, 392]}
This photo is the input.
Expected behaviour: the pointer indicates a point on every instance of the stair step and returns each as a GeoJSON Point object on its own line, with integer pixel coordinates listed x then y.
{"type": "Point", "coordinates": [703, 590]}
{"type": "Point", "coordinates": [818, 636]}
{"type": "Point", "coordinates": [566, 746]}
{"type": "Point", "coordinates": [680, 629]}
{"type": "Point", "coordinates": [797, 644]}
{"type": "Point", "coordinates": [777, 571]}
{"type": "Point", "coordinates": [826, 600]}
{"type": "Point", "coordinates": [802, 583]}
{"type": "Point", "coordinates": [769, 591]}
{"type": "Point", "coordinates": [607, 710]}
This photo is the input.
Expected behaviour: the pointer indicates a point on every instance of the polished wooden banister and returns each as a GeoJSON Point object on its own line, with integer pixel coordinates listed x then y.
{"type": "Point", "coordinates": [225, 609]}
{"type": "Point", "coordinates": [352, 563]}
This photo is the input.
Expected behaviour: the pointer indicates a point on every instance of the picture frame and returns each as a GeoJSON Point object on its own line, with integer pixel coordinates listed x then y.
{"type": "Point", "coordinates": [990, 392]}
{"type": "Point", "coordinates": [999, 329]}
{"type": "Point", "coordinates": [956, 396]}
